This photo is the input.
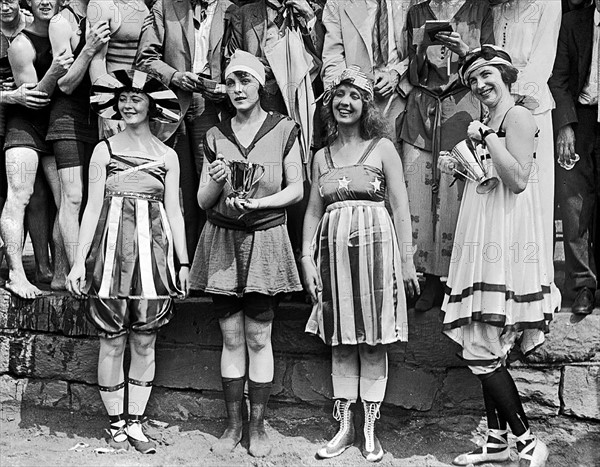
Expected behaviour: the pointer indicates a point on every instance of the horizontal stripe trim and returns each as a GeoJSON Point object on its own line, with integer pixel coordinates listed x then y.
{"type": "Point", "coordinates": [499, 321]}
{"type": "Point", "coordinates": [134, 297]}
{"type": "Point", "coordinates": [498, 288]}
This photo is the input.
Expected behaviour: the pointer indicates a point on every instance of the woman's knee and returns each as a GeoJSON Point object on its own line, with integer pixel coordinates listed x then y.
{"type": "Point", "coordinates": [142, 344]}
{"type": "Point", "coordinates": [258, 335]}
{"type": "Point", "coordinates": [113, 348]}
{"type": "Point", "coordinates": [372, 353]}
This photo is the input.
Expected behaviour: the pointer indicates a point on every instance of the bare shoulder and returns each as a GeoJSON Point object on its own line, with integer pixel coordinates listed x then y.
{"type": "Point", "coordinates": [319, 162]}
{"type": "Point", "coordinates": [386, 149]}
{"type": "Point", "coordinates": [21, 50]}
{"type": "Point", "coordinates": [520, 119]}
{"type": "Point", "coordinates": [101, 154]}
{"type": "Point", "coordinates": [171, 159]}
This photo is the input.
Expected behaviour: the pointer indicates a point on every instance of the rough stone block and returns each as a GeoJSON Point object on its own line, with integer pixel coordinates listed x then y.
{"type": "Point", "coordinates": [86, 399]}
{"type": "Point", "coordinates": [188, 367]}
{"type": "Point", "coordinates": [57, 312]}
{"type": "Point", "coordinates": [168, 403]}
{"type": "Point", "coordinates": [539, 389]}
{"type": "Point", "coordinates": [193, 323]}
{"type": "Point", "coordinates": [4, 353]}
{"type": "Point", "coordinates": [53, 394]}
{"type": "Point", "coordinates": [571, 339]}
{"type": "Point", "coordinates": [581, 391]}
{"type": "Point", "coordinates": [11, 391]}
{"type": "Point", "coordinates": [462, 389]}
{"type": "Point", "coordinates": [65, 358]}
{"type": "Point", "coordinates": [311, 380]}
{"type": "Point", "coordinates": [426, 345]}
{"type": "Point", "coordinates": [411, 388]}
{"type": "Point", "coordinates": [21, 354]}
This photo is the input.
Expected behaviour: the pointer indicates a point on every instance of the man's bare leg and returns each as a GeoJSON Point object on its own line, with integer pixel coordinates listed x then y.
{"type": "Point", "coordinates": [21, 168]}
{"type": "Point", "coordinates": [37, 223]}
{"type": "Point", "coordinates": [61, 265]}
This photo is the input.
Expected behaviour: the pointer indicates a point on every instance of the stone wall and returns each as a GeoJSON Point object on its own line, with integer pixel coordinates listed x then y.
{"type": "Point", "coordinates": [48, 354]}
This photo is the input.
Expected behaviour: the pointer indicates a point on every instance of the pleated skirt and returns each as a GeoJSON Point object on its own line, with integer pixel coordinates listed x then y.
{"type": "Point", "coordinates": [362, 300]}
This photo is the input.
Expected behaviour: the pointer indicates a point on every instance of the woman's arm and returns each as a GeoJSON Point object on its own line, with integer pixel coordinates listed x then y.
{"type": "Point", "coordinates": [394, 175]}
{"type": "Point", "coordinates": [312, 217]}
{"type": "Point", "coordinates": [514, 161]}
{"type": "Point", "coordinates": [175, 216]}
{"type": "Point", "coordinates": [173, 208]}
{"type": "Point", "coordinates": [60, 33]}
{"type": "Point", "coordinates": [89, 222]}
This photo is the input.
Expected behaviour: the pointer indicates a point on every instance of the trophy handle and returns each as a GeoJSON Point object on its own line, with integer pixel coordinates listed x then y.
{"type": "Point", "coordinates": [262, 167]}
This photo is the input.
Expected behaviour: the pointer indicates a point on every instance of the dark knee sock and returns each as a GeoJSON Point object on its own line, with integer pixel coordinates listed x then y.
{"type": "Point", "coordinates": [502, 390]}
{"type": "Point", "coordinates": [233, 390]}
{"type": "Point", "coordinates": [259, 394]}
{"type": "Point", "coordinates": [494, 419]}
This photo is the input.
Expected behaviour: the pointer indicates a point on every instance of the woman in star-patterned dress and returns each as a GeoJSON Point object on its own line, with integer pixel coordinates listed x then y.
{"type": "Point", "coordinates": [355, 258]}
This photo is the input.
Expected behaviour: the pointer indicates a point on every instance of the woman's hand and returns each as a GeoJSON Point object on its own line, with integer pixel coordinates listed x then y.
{"type": "Point", "coordinates": [446, 163]}
{"type": "Point", "coordinates": [453, 41]}
{"type": "Point", "coordinates": [475, 130]}
{"type": "Point", "coordinates": [184, 283]}
{"type": "Point", "coordinates": [243, 205]}
{"type": "Point", "coordinates": [310, 275]}
{"type": "Point", "coordinates": [411, 281]}
{"type": "Point", "coordinates": [218, 169]}
{"type": "Point", "coordinates": [76, 280]}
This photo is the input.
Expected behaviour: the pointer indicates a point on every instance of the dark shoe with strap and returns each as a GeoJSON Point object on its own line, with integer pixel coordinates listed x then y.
{"type": "Point", "coordinates": [432, 294]}
{"type": "Point", "coordinates": [117, 436]}
{"type": "Point", "coordinates": [584, 302]}
{"type": "Point", "coordinates": [138, 439]}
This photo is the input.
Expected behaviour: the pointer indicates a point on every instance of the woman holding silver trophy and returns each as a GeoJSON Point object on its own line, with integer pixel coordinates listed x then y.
{"type": "Point", "coordinates": [244, 260]}
{"type": "Point", "coordinates": [499, 292]}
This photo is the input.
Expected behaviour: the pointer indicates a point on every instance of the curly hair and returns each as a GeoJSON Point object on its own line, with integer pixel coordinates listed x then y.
{"type": "Point", "coordinates": [372, 123]}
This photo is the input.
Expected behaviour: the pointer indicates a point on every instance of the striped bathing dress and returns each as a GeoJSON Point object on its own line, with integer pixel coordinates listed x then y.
{"type": "Point", "coordinates": [130, 270]}
{"type": "Point", "coordinates": [356, 253]}
{"type": "Point", "coordinates": [498, 284]}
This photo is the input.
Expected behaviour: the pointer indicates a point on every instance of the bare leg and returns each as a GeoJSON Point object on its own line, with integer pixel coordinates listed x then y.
{"type": "Point", "coordinates": [37, 223]}
{"type": "Point", "coordinates": [233, 356]}
{"type": "Point", "coordinates": [61, 264]}
{"type": "Point", "coordinates": [21, 168]}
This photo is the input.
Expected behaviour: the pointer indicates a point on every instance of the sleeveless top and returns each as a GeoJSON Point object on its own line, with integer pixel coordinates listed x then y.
{"type": "Point", "coordinates": [270, 146]}
{"type": "Point", "coordinates": [71, 116]}
{"type": "Point", "coordinates": [43, 52]}
{"type": "Point", "coordinates": [353, 182]}
{"type": "Point", "coordinates": [5, 73]}
{"type": "Point", "coordinates": [123, 43]}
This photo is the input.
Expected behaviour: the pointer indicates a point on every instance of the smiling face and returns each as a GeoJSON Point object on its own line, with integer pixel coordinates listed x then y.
{"type": "Point", "coordinates": [347, 104]}
{"type": "Point", "coordinates": [9, 11]}
{"type": "Point", "coordinates": [243, 90]}
{"type": "Point", "coordinates": [134, 107]}
{"type": "Point", "coordinates": [43, 10]}
{"type": "Point", "coordinates": [487, 85]}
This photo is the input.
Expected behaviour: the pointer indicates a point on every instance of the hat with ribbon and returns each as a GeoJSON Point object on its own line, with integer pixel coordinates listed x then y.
{"type": "Point", "coordinates": [487, 54]}
{"type": "Point", "coordinates": [352, 75]}
{"type": "Point", "coordinates": [106, 90]}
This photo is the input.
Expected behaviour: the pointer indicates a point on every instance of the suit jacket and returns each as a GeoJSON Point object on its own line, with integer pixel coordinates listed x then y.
{"type": "Point", "coordinates": [167, 42]}
{"type": "Point", "coordinates": [348, 40]}
{"type": "Point", "coordinates": [572, 64]}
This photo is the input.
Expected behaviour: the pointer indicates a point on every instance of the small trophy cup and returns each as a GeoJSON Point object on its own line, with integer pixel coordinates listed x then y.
{"type": "Point", "coordinates": [465, 155]}
{"type": "Point", "coordinates": [243, 176]}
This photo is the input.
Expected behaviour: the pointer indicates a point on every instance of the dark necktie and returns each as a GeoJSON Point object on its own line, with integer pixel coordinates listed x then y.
{"type": "Point", "coordinates": [203, 6]}
{"type": "Point", "coordinates": [280, 10]}
{"type": "Point", "coordinates": [380, 35]}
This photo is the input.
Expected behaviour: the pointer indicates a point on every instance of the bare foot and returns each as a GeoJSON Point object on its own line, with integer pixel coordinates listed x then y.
{"type": "Point", "coordinates": [59, 282]}
{"type": "Point", "coordinates": [44, 276]}
{"type": "Point", "coordinates": [21, 287]}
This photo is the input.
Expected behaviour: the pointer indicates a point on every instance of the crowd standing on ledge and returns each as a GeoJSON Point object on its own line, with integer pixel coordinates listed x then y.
{"type": "Point", "coordinates": [353, 143]}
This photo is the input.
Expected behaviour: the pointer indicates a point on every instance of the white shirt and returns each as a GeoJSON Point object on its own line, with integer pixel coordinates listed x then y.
{"type": "Point", "coordinates": [589, 93]}
{"type": "Point", "coordinates": [528, 31]}
{"type": "Point", "coordinates": [201, 37]}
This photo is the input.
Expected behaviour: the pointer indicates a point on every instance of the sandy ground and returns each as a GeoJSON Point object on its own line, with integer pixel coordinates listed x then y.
{"type": "Point", "coordinates": [39, 437]}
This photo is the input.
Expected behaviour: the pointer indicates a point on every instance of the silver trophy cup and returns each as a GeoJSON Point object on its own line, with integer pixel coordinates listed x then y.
{"type": "Point", "coordinates": [471, 166]}
{"type": "Point", "coordinates": [243, 176]}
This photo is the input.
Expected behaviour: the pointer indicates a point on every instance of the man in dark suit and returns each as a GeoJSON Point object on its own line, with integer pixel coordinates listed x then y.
{"type": "Point", "coordinates": [180, 40]}
{"type": "Point", "coordinates": [574, 85]}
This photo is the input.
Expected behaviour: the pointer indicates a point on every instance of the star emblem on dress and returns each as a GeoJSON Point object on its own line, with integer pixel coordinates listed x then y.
{"type": "Point", "coordinates": [376, 184]}
{"type": "Point", "coordinates": [343, 183]}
